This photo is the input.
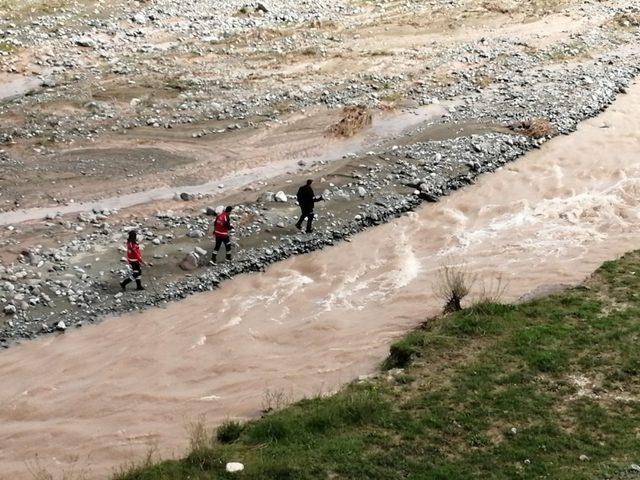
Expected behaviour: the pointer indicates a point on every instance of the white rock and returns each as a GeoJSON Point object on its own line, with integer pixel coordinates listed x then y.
{"type": "Point", "coordinates": [200, 251]}
{"type": "Point", "coordinates": [281, 197]}
{"type": "Point", "coordinates": [84, 42]}
{"type": "Point", "coordinates": [362, 192]}
{"type": "Point", "coordinates": [139, 18]}
{"type": "Point", "coordinates": [61, 326]}
{"type": "Point", "coordinates": [233, 467]}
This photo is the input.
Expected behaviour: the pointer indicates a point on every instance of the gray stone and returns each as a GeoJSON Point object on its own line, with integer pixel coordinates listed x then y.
{"type": "Point", "coordinates": [84, 42]}
{"type": "Point", "coordinates": [190, 262]}
{"type": "Point", "coordinates": [266, 197]}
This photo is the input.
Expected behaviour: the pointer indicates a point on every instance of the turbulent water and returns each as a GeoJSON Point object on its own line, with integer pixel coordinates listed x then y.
{"type": "Point", "coordinates": [94, 398]}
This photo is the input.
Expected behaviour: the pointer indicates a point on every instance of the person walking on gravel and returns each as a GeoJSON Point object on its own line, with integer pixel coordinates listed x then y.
{"type": "Point", "coordinates": [221, 228]}
{"type": "Point", "coordinates": [134, 257]}
{"type": "Point", "coordinates": [306, 200]}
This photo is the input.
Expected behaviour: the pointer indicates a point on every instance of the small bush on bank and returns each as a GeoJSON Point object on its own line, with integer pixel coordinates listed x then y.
{"type": "Point", "coordinates": [229, 431]}
{"type": "Point", "coordinates": [453, 285]}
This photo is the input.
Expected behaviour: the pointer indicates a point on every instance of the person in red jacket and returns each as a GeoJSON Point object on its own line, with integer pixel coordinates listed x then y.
{"type": "Point", "coordinates": [221, 228]}
{"type": "Point", "coordinates": [134, 257]}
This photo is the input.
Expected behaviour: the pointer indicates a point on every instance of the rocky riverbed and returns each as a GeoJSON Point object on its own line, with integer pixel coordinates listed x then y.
{"type": "Point", "coordinates": [499, 82]}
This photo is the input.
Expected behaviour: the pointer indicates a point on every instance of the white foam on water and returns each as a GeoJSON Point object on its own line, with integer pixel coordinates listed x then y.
{"type": "Point", "coordinates": [210, 398]}
{"type": "Point", "coordinates": [200, 342]}
{"type": "Point", "coordinates": [555, 226]}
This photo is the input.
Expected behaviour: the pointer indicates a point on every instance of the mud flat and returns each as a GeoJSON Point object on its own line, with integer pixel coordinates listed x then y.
{"type": "Point", "coordinates": [306, 325]}
{"type": "Point", "coordinates": [200, 84]}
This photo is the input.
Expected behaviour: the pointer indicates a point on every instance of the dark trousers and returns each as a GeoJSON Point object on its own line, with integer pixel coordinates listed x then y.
{"type": "Point", "coordinates": [136, 273]}
{"type": "Point", "coordinates": [308, 214]}
{"type": "Point", "coordinates": [227, 246]}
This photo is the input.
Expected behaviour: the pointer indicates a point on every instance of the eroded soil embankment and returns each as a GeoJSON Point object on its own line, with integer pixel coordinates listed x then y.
{"type": "Point", "coordinates": [310, 323]}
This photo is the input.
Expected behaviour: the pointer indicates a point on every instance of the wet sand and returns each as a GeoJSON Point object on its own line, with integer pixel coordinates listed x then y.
{"type": "Point", "coordinates": [240, 162]}
{"type": "Point", "coordinates": [94, 398]}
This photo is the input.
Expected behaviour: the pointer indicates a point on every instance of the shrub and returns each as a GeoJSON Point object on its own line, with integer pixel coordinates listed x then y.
{"type": "Point", "coordinates": [272, 428]}
{"type": "Point", "coordinates": [229, 431]}
{"type": "Point", "coordinates": [454, 284]}
{"type": "Point", "coordinates": [534, 128]}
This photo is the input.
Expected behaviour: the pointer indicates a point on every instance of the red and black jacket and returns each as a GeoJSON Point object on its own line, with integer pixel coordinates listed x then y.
{"type": "Point", "coordinates": [133, 252]}
{"type": "Point", "coordinates": [222, 225]}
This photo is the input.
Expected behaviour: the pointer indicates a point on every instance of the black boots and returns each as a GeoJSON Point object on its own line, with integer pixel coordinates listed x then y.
{"type": "Point", "coordinates": [214, 258]}
{"type": "Point", "coordinates": [127, 281]}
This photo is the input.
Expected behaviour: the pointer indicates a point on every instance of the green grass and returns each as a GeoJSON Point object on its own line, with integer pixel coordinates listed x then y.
{"type": "Point", "coordinates": [546, 389]}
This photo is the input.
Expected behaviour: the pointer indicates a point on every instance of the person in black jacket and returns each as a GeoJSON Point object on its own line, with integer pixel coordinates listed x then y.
{"type": "Point", "coordinates": [306, 200]}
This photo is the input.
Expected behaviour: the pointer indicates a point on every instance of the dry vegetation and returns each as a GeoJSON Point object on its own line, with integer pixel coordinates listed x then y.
{"type": "Point", "coordinates": [454, 284]}
{"type": "Point", "coordinates": [21, 9]}
{"type": "Point", "coordinates": [536, 7]}
{"type": "Point", "coordinates": [535, 128]}
{"type": "Point", "coordinates": [355, 119]}
{"type": "Point", "coordinates": [627, 19]}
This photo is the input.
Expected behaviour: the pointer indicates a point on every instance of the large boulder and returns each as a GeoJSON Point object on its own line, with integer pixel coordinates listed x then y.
{"type": "Point", "coordinates": [190, 262]}
{"type": "Point", "coordinates": [266, 197]}
{"type": "Point", "coordinates": [87, 217]}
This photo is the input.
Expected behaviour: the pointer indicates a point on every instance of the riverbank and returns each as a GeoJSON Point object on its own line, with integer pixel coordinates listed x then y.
{"type": "Point", "coordinates": [546, 388]}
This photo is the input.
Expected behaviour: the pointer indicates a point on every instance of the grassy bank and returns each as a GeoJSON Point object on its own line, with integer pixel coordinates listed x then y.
{"type": "Point", "coordinates": [546, 389]}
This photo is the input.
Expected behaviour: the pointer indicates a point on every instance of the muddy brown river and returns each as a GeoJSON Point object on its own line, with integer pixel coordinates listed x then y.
{"type": "Point", "coordinates": [94, 398]}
